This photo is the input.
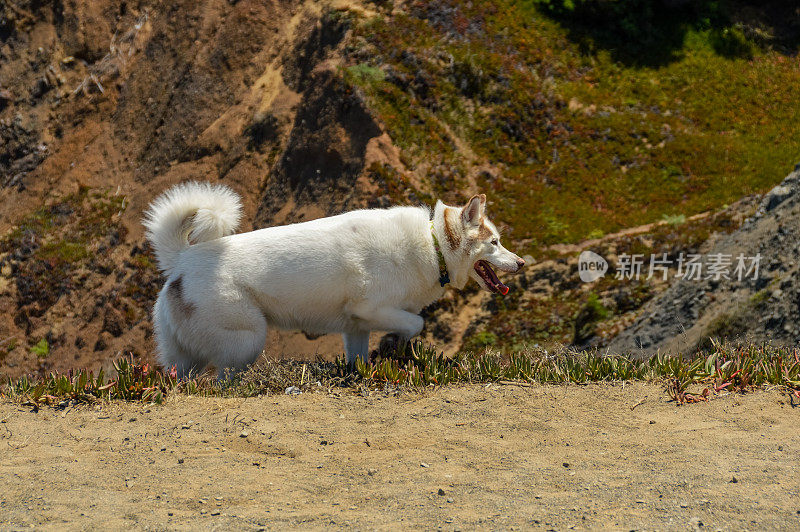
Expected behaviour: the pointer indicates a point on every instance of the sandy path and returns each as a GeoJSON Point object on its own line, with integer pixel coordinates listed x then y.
{"type": "Point", "coordinates": [505, 456]}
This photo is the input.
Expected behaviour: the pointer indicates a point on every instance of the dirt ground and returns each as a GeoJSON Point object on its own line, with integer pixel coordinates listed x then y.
{"type": "Point", "coordinates": [496, 457]}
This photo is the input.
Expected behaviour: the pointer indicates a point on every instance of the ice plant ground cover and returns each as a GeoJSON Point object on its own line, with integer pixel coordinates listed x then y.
{"type": "Point", "coordinates": [723, 368]}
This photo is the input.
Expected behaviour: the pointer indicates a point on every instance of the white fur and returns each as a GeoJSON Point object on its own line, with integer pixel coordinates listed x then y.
{"type": "Point", "coordinates": [191, 211]}
{"type": "Point", "coordinates": [352, 273]}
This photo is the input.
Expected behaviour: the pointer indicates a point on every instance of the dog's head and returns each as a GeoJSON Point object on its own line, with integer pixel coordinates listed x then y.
{"type": "Point", "coordinates": [474, 247]}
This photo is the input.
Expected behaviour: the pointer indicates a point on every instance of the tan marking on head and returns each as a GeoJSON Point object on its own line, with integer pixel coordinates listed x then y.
{"type": "Point", "coordinates": [453, 238]}
{"type": "Point", "coordinates": [175, 292]}
{"type": "Point", "coordinates": [484, 232]}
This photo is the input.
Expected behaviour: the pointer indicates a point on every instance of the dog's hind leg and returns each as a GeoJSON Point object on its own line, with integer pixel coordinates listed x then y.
{"type": "Point", "coordinates": [356, 345]}
{"type": "Point", "coordinates": [171, 354]}
{"type": "Point", "coordinates": [232, 350]}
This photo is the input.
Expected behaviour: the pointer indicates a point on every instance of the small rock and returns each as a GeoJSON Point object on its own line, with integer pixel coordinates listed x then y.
{"type": "Point", "coordinates": [733, 480]}
{"type": "Point", "coordinates": [684, 505]}
{"type": "Point", "coordinates": [215, 512]}
{"type": "Point", "coordinates": [180, 460]}
{"type": "Point", "coordinates": [423, 464]}
{"type": "Point", "coordinates": [441, 491]}
{"type": "Point", "coordinates": [565, 464]}
{"type": "Point", "coordinates": [292, 390]}
{"type": "Point", "coordinates": [776, 196]}
{"type": "Point", "coordinates": [244, 434]}
{"type": "Point", "coordinates": [449, 500]}
{"type": "Point", "coordinates": [372, 472]}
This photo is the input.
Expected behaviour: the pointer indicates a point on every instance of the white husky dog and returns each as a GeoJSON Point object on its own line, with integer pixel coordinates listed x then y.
{"type": "Point", "coordinates": [366, 270]}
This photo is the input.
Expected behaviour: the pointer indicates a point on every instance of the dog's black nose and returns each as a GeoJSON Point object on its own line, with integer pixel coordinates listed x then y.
{"type": "Point", "coordinates": [520, 264]}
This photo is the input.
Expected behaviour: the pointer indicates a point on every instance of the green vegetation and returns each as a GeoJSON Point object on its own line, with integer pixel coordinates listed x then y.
{"type": "Point", "coordinates": [724, 367]}
{"type": "Point", "coordinates": [652, 32]}
{"type": "Point", "coordinates": [586, 320]}
{"type": "Point", "coordinates": [48, 249]}
{"type": "Point", "coordinates": [41, 349]}
{"type": "Point", "coordinates": [570, 121]}
{"type": "Point", "coordinates": [132, 382]}
{"type": "Point", "coordinates": [675, 219]}
{"type": "Point", "coordinates": [479, 341]}
{"type": "Point", "coordinates": [363, 73]}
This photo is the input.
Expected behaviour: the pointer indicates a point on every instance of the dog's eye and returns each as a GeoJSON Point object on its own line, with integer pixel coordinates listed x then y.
{"type": "Point", "coordinates": [494, 242]}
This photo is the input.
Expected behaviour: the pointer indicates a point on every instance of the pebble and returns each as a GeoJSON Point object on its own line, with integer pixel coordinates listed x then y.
{"type": "Point", "coordinates": [423, 464]}
{"type": "Point", "coordinates": [371, 472]}
{"type": "Point", "coordinates": [733, 480]}
{"type": "Point", "coordinates": [292, 390]}
{"type": "Point", "coordinates": [244, 434]}
{"type": "Point", "coordinates": [441, 491]}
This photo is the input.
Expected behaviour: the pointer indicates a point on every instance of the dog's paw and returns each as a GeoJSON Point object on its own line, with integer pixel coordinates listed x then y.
{"type": "Point", "coordinates": [311, 336]}
{"type": "Point", "coordinates": [393, 346]}
{"type": "Point", "coordinates": [389, 344]}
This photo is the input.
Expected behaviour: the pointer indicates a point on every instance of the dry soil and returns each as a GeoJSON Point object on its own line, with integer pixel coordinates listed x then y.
{"type": "Point", "coordinates": [468, 457]}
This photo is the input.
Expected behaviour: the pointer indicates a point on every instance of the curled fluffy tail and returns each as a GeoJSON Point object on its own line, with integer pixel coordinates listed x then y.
{"type": "Point", "coordinates": [190, 213]}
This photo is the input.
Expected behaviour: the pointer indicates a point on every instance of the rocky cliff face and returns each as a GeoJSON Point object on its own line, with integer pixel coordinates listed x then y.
{"type": "Point", "coordinates": [105, 104]}
{"type": "Point", "coordinates": [761, 307]}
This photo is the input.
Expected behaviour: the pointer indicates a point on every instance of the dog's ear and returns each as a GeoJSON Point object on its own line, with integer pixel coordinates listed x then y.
{"type": "Point", "coordinates": [472, 213]}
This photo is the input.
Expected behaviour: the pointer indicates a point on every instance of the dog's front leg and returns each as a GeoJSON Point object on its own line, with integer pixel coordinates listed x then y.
{"type": "Point", "coordinates": [389, 319]}
{"type": "Point", "coordinates": [356, 345]}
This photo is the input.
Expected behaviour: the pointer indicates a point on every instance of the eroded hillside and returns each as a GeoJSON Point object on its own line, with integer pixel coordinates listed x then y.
{"type": "Point", "coordinates": [103, 105]}
{"type": "Point", "coordinates": [310, 108]}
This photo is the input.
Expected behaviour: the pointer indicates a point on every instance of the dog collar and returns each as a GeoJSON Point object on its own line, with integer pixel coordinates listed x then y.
{"type": "Point", "coordinates": [444, 276]}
